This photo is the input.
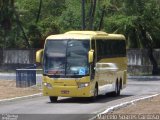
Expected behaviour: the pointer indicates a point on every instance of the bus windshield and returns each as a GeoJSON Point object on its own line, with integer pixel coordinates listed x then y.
{"type": "Point", "coordinates": [66, 58]}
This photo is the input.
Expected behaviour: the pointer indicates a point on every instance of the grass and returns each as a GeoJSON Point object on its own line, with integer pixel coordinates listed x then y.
{"type": "Point", "coordinates": [8, 89]}
{"type": "Point", "coordinates": [148, 106]}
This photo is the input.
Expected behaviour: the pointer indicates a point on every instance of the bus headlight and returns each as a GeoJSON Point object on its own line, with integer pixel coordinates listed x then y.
{"type": "Point", "coordinates": [81, 85]}
{"type": "Point", "coordinates": [48, 85]}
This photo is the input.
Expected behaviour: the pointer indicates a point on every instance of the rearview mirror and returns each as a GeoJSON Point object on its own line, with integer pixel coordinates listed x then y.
{"type": "Point", "coordinates": [90, 56]}
{"type": "Point", "coordinates": [39, 55]}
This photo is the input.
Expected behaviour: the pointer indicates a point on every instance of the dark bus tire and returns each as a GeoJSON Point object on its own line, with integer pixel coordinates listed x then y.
{"type": "Point", "coordinates": [53, 99]}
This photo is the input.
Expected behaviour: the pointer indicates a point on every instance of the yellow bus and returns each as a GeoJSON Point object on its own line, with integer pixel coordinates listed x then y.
{"type": "Point", "coordinates": [83, 64]}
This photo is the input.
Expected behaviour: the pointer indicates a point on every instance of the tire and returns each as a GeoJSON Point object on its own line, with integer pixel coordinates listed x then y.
{"type": "Point", "coordinates": [53, 99]}
{"type": "Point", "coordinates": [94, 97]}
{"type": "Point", "coordinates": [117, 89]}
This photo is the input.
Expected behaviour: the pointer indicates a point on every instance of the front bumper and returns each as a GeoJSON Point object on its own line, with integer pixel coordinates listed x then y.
{"type": "Point", "coordinates": [67, 91]}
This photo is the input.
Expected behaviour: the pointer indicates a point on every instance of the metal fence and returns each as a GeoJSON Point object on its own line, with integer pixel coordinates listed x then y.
{"type": "Point", "coordinates": [139, 63]}
{"type": "Point", "coordinates": [11, 59]}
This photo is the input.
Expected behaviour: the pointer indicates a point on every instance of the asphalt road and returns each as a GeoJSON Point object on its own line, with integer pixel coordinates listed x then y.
{"type": "Point", "coordinates": [75, 108]}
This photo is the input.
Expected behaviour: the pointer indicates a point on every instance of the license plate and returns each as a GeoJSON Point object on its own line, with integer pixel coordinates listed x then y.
{"type": "Point", "coordinates": [65, 91]}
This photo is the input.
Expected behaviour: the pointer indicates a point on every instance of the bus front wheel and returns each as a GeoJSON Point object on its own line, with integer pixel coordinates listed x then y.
{"type": "Point", "coordinates": [53, 99]}
{"type": "Point", "coordinates": [95, 95]}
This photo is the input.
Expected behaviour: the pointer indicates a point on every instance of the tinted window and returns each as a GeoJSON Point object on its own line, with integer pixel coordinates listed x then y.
{"type": "Point", "coordinates": [66, 58]}
{"type": "Point", "coordinates": [111, 48]}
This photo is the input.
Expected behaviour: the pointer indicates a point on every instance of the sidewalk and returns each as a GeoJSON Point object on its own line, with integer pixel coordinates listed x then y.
{"type": "Point", "coordinates": [12, 76]}
{"type": "Point", "coordinates": [7, 74]}
{"type": "Point", "coordinates": [144, 77]}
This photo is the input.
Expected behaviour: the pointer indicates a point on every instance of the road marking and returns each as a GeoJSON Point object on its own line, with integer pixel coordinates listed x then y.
{"type": "Point", "coordinates": [18, 98]}
{"type": "Point", "coordinates": [110, 109]}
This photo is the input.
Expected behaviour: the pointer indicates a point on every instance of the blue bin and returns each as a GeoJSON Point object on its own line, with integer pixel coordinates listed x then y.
{"type": "Point", "coordinates": [26, 77]}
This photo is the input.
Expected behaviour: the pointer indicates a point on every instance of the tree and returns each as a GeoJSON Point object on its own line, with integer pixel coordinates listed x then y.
{"type": "Point", "coordinates": [137, 19]}
{"type": "Point", "coordinates": [89, 13]}
{"type": "Point", "coordinates": [83, 15]}
{"type": "Point", "coordinates": [39, 17]}
{"type": "Point", "coordinates": [21, 28]}
{"type": "Point", "coordinates": [6, 19]}
{"type": "Point", "coordinates": [39, 11]}
{"type": "Point", "coordinates": [10, 24]}
{"type": "Point", "coordinates": [92, 13]}
{"type": "Point", "coordinates": [70, 19]}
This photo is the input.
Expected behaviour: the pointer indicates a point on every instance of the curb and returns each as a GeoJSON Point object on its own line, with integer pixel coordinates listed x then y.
{"type": "Point", "coordinates": [144, 77]}
{"type": "Point", "coordinates": [20, 98]}
{"type": "Point", "coordinates": [122, 105]}
{"type": "Point", "coordinates": [7, 74]}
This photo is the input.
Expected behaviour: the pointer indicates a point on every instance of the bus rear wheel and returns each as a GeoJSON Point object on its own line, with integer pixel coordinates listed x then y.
{"type": "Point", "coordinates": [53, 99]}
{"type": "Point", "coordinates": [117, 89]}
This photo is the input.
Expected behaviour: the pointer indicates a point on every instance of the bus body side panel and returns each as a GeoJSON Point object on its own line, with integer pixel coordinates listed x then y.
{"type": "Point", "coordinates": [107, 78]}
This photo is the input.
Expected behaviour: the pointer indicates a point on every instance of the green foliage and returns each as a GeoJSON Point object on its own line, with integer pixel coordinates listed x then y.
{"type": "Point", "coordinates": [6, 22]}
{"type": "Point", "coordinates": [70, 18]}
{"type": "Point", "coordinates": [37, 21]}
{"type": "Point", "coordinates": [130, 16]}
{"type": "Point", "coordinates": [34, 36]}
{"type": "Point", "coordinates": [12, 35]}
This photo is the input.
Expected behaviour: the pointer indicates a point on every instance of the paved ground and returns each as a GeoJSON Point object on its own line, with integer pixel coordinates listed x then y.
{"type": "Point", "coordinates": [72, 108]}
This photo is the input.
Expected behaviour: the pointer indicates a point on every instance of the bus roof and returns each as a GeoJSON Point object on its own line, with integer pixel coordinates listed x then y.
{"type": "Point", "coordinates": [87, 35]}
{"type": "Point", "coordinates": [96, 33]}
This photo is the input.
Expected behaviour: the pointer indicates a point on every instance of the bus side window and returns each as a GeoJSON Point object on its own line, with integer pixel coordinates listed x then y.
{"type": "Point", "coordinates": [98, 49]}
{"type": "Point", "coordinates": [94, 60]}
